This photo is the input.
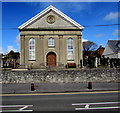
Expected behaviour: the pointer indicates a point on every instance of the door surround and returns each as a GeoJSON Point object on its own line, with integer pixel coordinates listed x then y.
{"type": "Point", "coordinates": [51, 59]}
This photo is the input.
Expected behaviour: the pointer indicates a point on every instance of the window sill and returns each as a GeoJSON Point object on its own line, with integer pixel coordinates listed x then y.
{"type": "Point", "coordinates": [71, 60]}
{"type": "Point", "coordinates": [51, 46]}
{"type": "Point", "coordinates": [31, 60]}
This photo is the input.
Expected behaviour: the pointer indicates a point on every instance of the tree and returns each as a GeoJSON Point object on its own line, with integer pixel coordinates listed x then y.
{"type": "Point", "coordinates": [89, 46]}
{"type": "Point", "coordinates": [89, 52]}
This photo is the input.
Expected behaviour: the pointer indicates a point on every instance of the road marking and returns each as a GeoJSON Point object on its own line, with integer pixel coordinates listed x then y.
{"type": "Point", "coordinates": [14, 106]}
{"type": "Point", "coordinates": [16, 110]}
{"type": "Point", "coordinates": [87, 105]}
{"type": "Point", "coordinates": [93, 92]}
{"type": "Point", "coordinates": [95, 103]}
{"type": "Point", "coordinates": [23, 108]}
{"type": "Point", "coordinates": [97, 108]}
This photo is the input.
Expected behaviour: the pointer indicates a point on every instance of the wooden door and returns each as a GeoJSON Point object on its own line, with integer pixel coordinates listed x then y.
{"type": "Point", "coordinates": [51, 59]}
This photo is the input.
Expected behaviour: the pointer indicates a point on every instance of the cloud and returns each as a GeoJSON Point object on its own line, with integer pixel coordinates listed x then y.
{"type": "Point", "coordinates": [112, 16]}
{"type": "Point", "coordinates": [9, 48]}
{"type": "Point", "coordinates": [59, 1]}
{"type": "Point", "coordinates": [84, 40]}
{"type": "Point", "coordinates": [17, 41]}
{"type": "Point", "coordinates": [100, 35]}
{"type": "Point", "coordinates": [78, 6]}
{"type": "Point", "coordinates": [65, 7]}
{"type": "Point", "coordinates": [1, 50]}
{"type": "Point", "coordinates": [116, 32]}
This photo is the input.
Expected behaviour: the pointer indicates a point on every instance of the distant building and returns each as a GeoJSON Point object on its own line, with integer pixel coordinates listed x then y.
{"type": "Point", "coordinates": [1, 64]}
{"type": "Point", "coordinates": [11, 60]}
{"type": "Point", "coordinates": [100, 51]}
{"type": "Point", "coordinates": [50, 39]}
{"type": "Point", "coordinates": [112, 49]}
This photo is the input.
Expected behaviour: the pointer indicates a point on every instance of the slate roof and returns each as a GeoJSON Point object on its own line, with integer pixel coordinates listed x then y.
{"type": "Point", "coordinates": [114, 45]}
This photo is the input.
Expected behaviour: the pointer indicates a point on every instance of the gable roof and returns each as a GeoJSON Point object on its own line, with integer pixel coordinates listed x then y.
{"type": "Point", "coordinates": [47, 10]}
{"type": "Point", "coordinates": [113, 44]}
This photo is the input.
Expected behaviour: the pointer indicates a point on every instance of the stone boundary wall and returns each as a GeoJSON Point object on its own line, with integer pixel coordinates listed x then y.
{"type": "Point", "coordinates": [61, 76]}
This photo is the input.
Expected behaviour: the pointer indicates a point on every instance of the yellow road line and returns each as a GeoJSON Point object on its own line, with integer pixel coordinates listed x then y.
{"type": "Point", "coordinates": [30, 94]}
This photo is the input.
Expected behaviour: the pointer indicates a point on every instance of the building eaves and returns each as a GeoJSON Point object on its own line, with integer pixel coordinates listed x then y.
{"type": "Point", "coordinates": [47, 10]}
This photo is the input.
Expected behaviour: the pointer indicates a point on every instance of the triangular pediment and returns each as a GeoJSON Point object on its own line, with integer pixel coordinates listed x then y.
{"type": "Point", "coordinates": [51, 18]}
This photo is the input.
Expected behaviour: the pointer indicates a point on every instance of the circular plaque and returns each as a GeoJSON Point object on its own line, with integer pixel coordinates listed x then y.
{"type": "Point", "coordinates": [50, 19]}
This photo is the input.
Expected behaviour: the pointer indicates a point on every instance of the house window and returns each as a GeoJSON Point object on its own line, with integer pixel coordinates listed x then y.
{"type": "Point", "coordinates": [32, 49]}
{"type": "Point", "coordinates": [70, 49]}
{"type": "Point", "coordinates": [51, 42]}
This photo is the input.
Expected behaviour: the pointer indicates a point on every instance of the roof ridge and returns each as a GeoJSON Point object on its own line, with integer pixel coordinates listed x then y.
{"type": "Point", "coordinates": [45, 11]}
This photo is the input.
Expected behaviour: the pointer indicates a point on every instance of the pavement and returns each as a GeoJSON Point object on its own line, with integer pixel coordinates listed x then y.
{"type": "Point", "coordinates": [57, 87]}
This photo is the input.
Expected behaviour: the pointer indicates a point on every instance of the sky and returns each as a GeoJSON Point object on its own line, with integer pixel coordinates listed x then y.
{"type": "Point", "coordinates": [87, 14]}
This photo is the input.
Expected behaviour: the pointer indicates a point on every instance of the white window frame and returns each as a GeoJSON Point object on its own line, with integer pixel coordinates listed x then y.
{"type": "Point", "coordinates": [32, 49]}
{"type": "Point", "coordinates": [51, 42]}
{"type": "Point", "coordinates": [70, 49]}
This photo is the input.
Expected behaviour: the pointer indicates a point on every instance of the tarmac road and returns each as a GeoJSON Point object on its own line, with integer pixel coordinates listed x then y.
{"type": "Point", "coordinates": [88, 101]}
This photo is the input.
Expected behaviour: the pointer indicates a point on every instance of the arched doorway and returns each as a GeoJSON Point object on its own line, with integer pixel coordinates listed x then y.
{"type": "Point", "coordinates": [51, 59]}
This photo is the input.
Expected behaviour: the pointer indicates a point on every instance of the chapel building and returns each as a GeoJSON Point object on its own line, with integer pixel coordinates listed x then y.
{"type": "Point", "coordinates": [50, 39]}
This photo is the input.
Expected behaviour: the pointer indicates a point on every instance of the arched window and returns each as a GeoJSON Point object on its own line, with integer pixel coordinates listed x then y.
{"type": "Point", "coordinates": [70, 49]}
{"type": "Point", "coordinates": [32, 49]}
{"type": "Point", "coordinates": [51, 42]}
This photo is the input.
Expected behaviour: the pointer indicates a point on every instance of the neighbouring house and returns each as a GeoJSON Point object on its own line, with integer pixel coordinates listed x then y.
{"type": "Point", "coordinates": [112, 49]}
{"type": "Point", "coordinates": [50, 39]}
{"type": "Point", "coordinates": [112, 52]}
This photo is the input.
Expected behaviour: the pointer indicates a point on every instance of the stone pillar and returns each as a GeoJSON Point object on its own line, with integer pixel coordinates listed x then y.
{"type": "Point", "coordinates": [60, 61]}
{"type": "Point", "coordinates": [22, 51]}
{"type": "Point", "coordinates": [80, 54]}
{"type": "Point", "coordinates": [41, 52]}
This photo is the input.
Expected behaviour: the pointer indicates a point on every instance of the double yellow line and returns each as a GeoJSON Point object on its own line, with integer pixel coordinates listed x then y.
{"type": "Point", "coordinates": [70, 93]}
